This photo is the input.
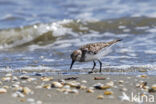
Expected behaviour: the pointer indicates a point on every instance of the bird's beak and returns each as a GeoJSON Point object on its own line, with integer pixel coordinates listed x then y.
{"type": "Point", "coordinates": [72, 64]}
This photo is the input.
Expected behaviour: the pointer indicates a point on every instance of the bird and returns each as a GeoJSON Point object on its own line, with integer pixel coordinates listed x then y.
{"type": "Point", "coordinates": [92, 52]}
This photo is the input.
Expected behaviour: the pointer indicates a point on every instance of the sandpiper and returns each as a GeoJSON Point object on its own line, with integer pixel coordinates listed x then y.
{"type": "Point", "coordinates": [92, 52]}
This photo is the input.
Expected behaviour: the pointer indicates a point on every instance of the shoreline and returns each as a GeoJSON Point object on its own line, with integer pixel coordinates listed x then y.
{"type": "Point", "coordinates": [77, 89]}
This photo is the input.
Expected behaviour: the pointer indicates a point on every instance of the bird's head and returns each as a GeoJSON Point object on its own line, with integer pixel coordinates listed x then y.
{"type": "Point", "coordinates": [76, 56]}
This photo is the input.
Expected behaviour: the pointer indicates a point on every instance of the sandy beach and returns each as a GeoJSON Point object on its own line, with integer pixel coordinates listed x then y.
{"type": "Point", "coordinates": [77, 89]}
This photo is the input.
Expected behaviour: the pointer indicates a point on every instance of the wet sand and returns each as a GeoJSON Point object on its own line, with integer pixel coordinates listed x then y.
{"type": "Point", "coordinates": [75, 89]}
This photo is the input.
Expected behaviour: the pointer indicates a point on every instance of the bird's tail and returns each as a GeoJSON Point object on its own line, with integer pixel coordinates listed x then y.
{"type": "Point", "coordinates": [114, 41]}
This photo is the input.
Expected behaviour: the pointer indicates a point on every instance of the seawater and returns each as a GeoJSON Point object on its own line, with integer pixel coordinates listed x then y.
{"type": "Point", "coordinates": [40, 35]}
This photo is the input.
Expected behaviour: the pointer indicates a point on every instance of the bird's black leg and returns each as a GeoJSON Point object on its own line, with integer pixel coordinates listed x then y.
{"type": "Point", "coordinates": [94, 65]}
{"type": "Point", "coordinates": [100, 65]}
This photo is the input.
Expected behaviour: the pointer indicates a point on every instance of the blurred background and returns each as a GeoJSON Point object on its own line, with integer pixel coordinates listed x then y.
{"type": "Point", "coordinates": [41, 34]}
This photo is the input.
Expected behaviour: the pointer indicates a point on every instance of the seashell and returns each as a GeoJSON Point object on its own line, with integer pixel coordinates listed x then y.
{"type": "Point", "coordinates": [2, 90]}
{"type": "Point", "coordinates": [46, 79]}
{"type": "Point", "coordinates": [102, 87]}
{"type": "Point", "coordinates": [48, 86]}
{"type": "Point", "coordinates": [31, 100]}
{"type": "Point", "coordinates": [72, 78]}
{"type": "Point", "coordinates": [90, 91]}
{"type": "Point", "coordinates": [17, 94]}
{"type": "Point", "coordinates": [6, 87]}
{"type": "Point", "coordinates": [31, 79]}
{"type": "Point", "coordinates": [100, 97]}
{"type": "Point", "coordinates": [56, 85]}
{"type": "Point", "coordinates": [120, 81]}
{"type": "Point", "coordinates": [73, 91]}
{"type": "Point", "coordinates": [154, 87]}
{"type": "Point", "coordinates": [123, 89]}
{"type": "Point", "coordinates": [108, 93]}
{"type": "Point", "coordinates": [8, 75]}
{"type": "Point", "coordinates": [142, 76]}
{"type": "Point", "coordinates": [38, 87]}
{"type": "Point", "coordinates": [61, 90]}
{"type": "Point", "coordinates": [6, 79]}
{"type": "Point", "coordinates": [24, 77]}
{"type": "Point", "coordinates": [84, 81]}
{"type": "Point", "coordinates": [83, 87]}
{"type": "Point", "coordinates": [22, 100]}
{"type": "Point", "coordinates": [99, 78]}
{"type": "Point", "coordinates": [1, 83]}
{"type": "Point", "coordinates": [111, 83]}
{"type": "Point", "coordinates": [73, 84]}
{"type": "Point", "coordinates": [38, 102]}
{"type": "Point", "coordinates": [66, 87]}
{"type": "Point", "coordinates": [26, 90]}
{"type": "Point", "coordinates": [14, 78]}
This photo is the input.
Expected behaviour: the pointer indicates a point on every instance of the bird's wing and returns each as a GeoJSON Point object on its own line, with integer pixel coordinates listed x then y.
{"type": "Point", "coordinates": [96, 47]}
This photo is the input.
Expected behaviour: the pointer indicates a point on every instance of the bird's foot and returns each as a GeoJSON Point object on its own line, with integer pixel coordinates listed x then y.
{"type": "Point", "coordinates": [90, 72]}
